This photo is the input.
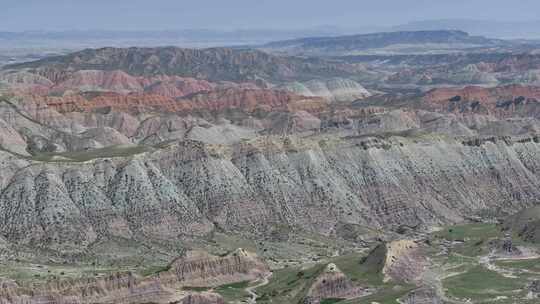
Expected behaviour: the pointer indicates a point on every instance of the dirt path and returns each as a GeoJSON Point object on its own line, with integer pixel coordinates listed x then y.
{"type": "Point", "coordinates": [251, 289]}
{"type": "Point", "coordinates": [434, 279]}
{"type": "Point", "coordinates": [487, 262]}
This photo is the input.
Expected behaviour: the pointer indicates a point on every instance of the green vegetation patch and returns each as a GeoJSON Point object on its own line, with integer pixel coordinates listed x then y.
{"type": "Point", "coordinates": [29, 273]}
{"type": "Point", "coordinates": [387, 295]}
{"type": "Point", "coordinates": [82, 156]}
{"type": "Point", "coordinates": [289, 285]}
{"type": "Point", "coordinates": [153, 270]}
{"type": "Point", "coordinates": [472, 238]}
{"type": "Point", "coordinates": [331, 301]}
{"type": "Point", "coordinates": [356, 268]}
{"type": "Point", "coordinates": [469, 231]}
{"type": "Point", "coordinates": [196, 288]}
{"type": "Point", "coordinates": [233, 292]}
{"type": "Point", "coordinates": [480, 283]}
{"type": "Point", "coordinates": [528, 264]}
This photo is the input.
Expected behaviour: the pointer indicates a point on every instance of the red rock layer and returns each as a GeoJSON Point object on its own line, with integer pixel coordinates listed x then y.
{"type": "Point", "coordinates": [112, 101]}
{"type": "Point", "coordinates": [500, 101]}
{"type": "Point", "coordinates": [481, 94]}
{"type": "Point", "coordinates": [247, 100]}
{"type": "Point", "coordinates": [250, 100]}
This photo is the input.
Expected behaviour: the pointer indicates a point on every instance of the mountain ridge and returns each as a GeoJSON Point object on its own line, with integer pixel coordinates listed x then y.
{"type": "Point", "coordinates": [359, 42]}
{"type": "Point", "coordinates": [211, 64]}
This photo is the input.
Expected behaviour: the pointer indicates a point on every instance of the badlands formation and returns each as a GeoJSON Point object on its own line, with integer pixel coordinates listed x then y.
{"type": "Point", "coordinates": [134, 175]}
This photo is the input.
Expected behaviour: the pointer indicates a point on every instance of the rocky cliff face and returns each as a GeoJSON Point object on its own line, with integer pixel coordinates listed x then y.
{"type": "Point", "coordinates": [333, 284]}
{"type": "Point", "coordinates": [226, 176]}
{"type": "Point", "coordinates": [93, 90]}
{"type": "Point", "coordinates": [197, 268]}
{"type": "Point", "coordinates": [247, 100]}
{"type": "Point", "coordinates": [203, 298]}
{"type": "Point", "coordinates": [191, 187]}
{"type": "Point", "coordinates": [118, 288]}
{"type": "Point", "coordinates": [404, 261]}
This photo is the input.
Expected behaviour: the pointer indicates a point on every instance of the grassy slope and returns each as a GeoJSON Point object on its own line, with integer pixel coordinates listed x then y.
{"type": "Point", "coordinates": [233, 292]}
{"type": "Point", "coordinates": [479, 283]}
{"type": "Point", "coordinates": [473, 236]}
{"type": "Point", "coordinates": [471, 279]}
{"type": "Point", "coordinates": [290, 285]}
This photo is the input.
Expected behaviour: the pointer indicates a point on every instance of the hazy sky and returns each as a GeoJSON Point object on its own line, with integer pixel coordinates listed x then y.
{"type": "Point", "coordinates": [19, 15]}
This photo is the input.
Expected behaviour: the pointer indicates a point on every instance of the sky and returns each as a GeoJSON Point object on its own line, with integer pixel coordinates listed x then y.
{"type": "Point", "coordinates": [23, 15]}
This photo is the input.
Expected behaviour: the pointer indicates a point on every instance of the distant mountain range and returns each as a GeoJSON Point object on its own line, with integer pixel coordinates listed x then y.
{"type": "Point", "coordinates": [326, 41]}
{"type": "Point", "coordinates": [218, 64]}
{"type": "Point", "coordinates": [188, 38]}
{"type": "Point", "coordinates": [217, 37]}
{"type": "Point", "coordinates": [489, 28]}
{"type": "Point", "coordinates": [389, 42]}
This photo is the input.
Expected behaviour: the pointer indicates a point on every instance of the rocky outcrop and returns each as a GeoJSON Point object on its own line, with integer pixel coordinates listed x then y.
{"type": "Point", "coordinates": [197, 268]}
{"type": "Point", "coordinates": [333, 284]}
{"type": "Point", "coordinates": [194, 269]}
{"type": "Point", "coordinates": [32, 83]}
{"type": "Point", "coordinates": [248, 100]}
{"type": "Point", "coordinates": [404, 261]}
{"type": "Point", "coordinates": [422, 295]}
{"type": "Point", "coordinates": [203, 298]}
{"type": "Point", "coordinates": [314, 184]}
{"type": "Point", "coordinates": [526, 224]}
{"type": "Point", "coordinates": [122, 288]}
{"type": "Point", "coordinates": [31, 129]}
{"type": "Point", "coordinates": [109, 101]}
{"type": "Point", "coordinates": [533, 290]}
{"type": "Point", "coordinates": [470, 74]}
{"type": "Point", "coordinates": [333, 90]}
{"type": "Point", "coordinates": [503, 101]}
{"type": "Point", "coordinates": [25, 82]}
{"type": "Point", "coordinates": [398, 261]}
{"type": "Point", "coordinates": [11, 139]}
{"type": "Point", "coordinates": [467, 68]}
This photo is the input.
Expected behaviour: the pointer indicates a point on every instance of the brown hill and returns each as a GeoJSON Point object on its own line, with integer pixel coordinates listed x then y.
{"type": "Point", "coordinates": [212, 64]}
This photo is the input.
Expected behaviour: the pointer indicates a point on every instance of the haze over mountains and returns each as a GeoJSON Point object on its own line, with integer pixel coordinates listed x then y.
{"type": "Point", "coordinates": [28, 45]}
{"type": "Point", "coordinates": [214, 37]}
{"type": "Point", "coordinates": [393, 42]}
{"type": "Point", "coordinates": [488, 28]}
